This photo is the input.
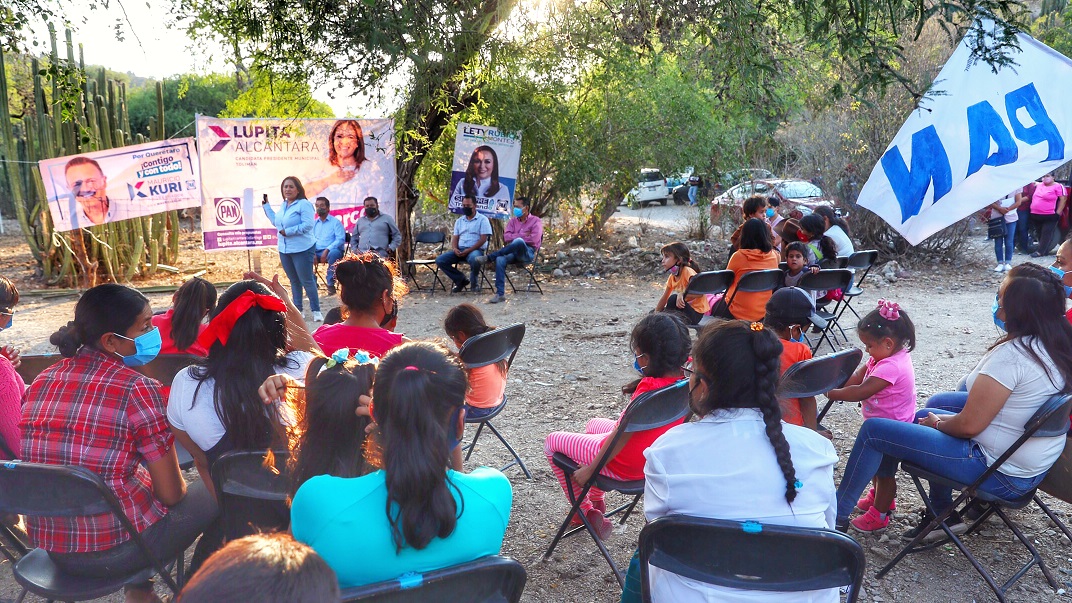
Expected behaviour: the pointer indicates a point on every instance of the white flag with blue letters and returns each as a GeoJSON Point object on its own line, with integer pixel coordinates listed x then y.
{"type": "Point", "coordinates": [986, 134]}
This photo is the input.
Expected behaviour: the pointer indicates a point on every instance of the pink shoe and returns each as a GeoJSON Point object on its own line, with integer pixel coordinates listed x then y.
{"type": "Point", "coordinates": [872, 521]}
{"type": "Point", "coordinates": [868, 501]}
{"type": "Point", "coordinates": [602, 526]}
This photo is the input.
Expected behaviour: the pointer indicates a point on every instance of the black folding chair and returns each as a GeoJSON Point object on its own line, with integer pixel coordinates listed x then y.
{"type": "Point", "coordinates": [530, 269]}
{"type": "Point", "coordinates": [491, 579]}
{"type": "Point", "coordinates": [819, 375]}
{"type": "Point", "coordinates": [827, 280]}
{"type": "Point", "coordinates": [649, 410]}
{"type": "Point", "coordinates": [436, 241]}
{"type": "Point", "coordinates": [1050, 420]}
{"type": "Point", "coordinates": [34, 364]}
{"type": "Point", "coordinates": [490, 348]}
{"type": "Point", "coordinates": [242, 477]}
{"type": "Point", "coordinates": [757, 282]}
{"type": "Point", "coordinates": [834, 263]}
{"type": "Point", "coordinates": [163, 368]}
{"type": "Point", "coordinates": [863, 261]}
{"type": "Point", "coordinates": [708, 283]}
{"type": "Point", "coordinates": [751, 556]}
{"type": "Point", "coordinates": [40, 490]}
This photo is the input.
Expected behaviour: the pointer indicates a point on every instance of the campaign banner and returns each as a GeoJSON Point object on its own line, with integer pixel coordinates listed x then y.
{"type": "Point", "coordinates": [245, 161]}
{"type": "Point", "coordinates": [101, 187]}
{"type": "Point", "coordinates": [986, 134]}
{"type": "Point", "coordinates": [485, 165]}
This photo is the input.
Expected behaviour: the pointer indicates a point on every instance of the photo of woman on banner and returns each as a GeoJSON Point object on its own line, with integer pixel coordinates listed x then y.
{"type": "Point", "coordinates": [351, 175]}
{"type": "Point", "coordinates": [481, 180]}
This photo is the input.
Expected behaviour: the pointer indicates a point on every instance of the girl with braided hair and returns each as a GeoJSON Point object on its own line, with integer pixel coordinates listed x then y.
{"type": "Point", "coordinates": [739, 461]}
{"type": "Point", "coordinates": [369, 288]}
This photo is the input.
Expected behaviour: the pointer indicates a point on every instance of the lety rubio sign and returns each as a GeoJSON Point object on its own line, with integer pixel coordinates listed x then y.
{"type": "Point", "coordinates": [988, 133]}
{"type": "Point", "coordinates": [118, 184]}
{"type": "Point", "coordinates": [485, 165]}
{"type": "Point", "coordinates": [246, 160]}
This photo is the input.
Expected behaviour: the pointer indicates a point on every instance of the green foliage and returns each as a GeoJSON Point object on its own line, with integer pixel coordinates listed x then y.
{"type": "Point", "coordinates": [184, 97]}
{"type": "Point", "coordinates": [269, 96]}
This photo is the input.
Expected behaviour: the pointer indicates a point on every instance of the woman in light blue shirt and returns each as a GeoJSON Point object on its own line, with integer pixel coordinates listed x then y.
{"type": "Point", "coordinates": [297, 247]}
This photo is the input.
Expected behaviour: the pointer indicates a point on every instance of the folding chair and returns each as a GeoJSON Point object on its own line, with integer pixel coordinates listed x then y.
{"type": "Point", "coordinates": [34, 364]}
{"type": "Point", "coordinates": [164, 367]}
{"type": "Point", "coordinates": [827, 280]}
{"type": "Point", "coordinates": [437, 241]}
{"type": "Point", "coordinates": [834, 263]}
{"type": "Point", "coordinates": [40, 490]}
{"type": "Point", "coordinates": [242, 477]}
{"type": "Point", "coordinates": [1050, 420]}
{"type": "Point", "coordinates": [529, 269]}
{"type": "Point", "coordinates": [482, 350]}
{"type": "Point", "coordinates": [708, 283]}
{"type": "Point", "coordinates": [809, 378]}
{"type": "Point", "coordinates": [491, 579]}
{"type": "Point", "coordinates": [649, 410]}
{"type": "Point", "coordinates": [861, 260]}
{"type": "Point", "coordinates": [756, 282]}
{"type": "Point", "coordinates": [751, 556]}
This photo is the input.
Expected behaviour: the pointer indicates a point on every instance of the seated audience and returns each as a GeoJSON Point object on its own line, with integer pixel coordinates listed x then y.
{"type": "Point", "coordinates": [414, 514]}
{"type": "Point", "coordinates": [12, 387]}
{"type": "Point", "coordinates": [837, 230]}
{"type": "Point", "coordinates": [789, 312]}
{"type": "Point", "coordinates": [756, 253]}
{"type": "Point", "coordinates": [660, 345]}
{"type": "Point", "coordinates": [468, 244]}
{"type": "Point", "coordinates": [487, 384]}
{"type": "Point", "coordinates": [523, 236]}
{"type": "Point", "coordinates": [677, 260]}
{"type": "Point", "coordinates": [90, 409]}
{"type": "Point", "coordinates": [754, 207]}
{"type": "Point", "coordinates": [263, 568]}
{"type": "Point", "coordinates": [796, 266]}
{"type": "Point", "coordinates": [333, 316]}
{"type": "Point", "coordinates": [182, 323]}
{"type": "Point", "coordinates": [821, 248]}
{"type": "Point", "coordinates": [1062, 267]}
{"type": "Point", "coordinates": [369, 289]}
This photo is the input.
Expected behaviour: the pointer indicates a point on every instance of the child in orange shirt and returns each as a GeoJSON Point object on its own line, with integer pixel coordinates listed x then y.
{"type": "Point", "coordinates": [756, 253]}
{"type": "Point", "coordinates": [789, 312]}
{"type": "Point", "coordinates": [678, 262]}
{"type": "Point", "coordinates": [487, 384]}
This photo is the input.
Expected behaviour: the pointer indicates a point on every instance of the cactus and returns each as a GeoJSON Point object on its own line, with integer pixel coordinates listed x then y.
{"type": "Point", "coordinates": [98, 120]}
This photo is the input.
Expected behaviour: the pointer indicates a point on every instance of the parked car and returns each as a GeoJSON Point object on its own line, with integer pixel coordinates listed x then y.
{"type": "Point", "coordinates": [650, 188]}
{"type": "Point", "coordinates": [792, 193]}
{"type": "Point", "coordinates": [734, 177]}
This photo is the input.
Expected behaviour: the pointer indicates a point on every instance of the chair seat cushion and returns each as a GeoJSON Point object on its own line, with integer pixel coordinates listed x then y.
{"type": "Point", "coordinates": [38, 574]}
{"type": "Point", "coordinates": [420, 262]}
{"type": "Point", "coordinates": [604, 483]}
{"type": "Point", "coordinates": [920, 472]}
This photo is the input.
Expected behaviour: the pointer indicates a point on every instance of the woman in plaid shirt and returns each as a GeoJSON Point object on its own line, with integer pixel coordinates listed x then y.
{"type": "Point", "coordinates": [92, 410]}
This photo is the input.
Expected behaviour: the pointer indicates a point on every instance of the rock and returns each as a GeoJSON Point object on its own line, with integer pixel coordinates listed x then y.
{"type": "Point", "coordinates": [716, 231]}
{"type": "Point", "coordinates": [575, 271]}
{"type": "Point", "coordinates": [558, 273]}
{"type": "Point", "coordinates": [561, 255]}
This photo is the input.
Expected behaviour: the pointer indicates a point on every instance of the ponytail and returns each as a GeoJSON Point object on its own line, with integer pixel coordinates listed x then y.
{"type": "Point", "coordinates": [767, 371]}
{"type": "Point", "coordinates": [107, 308]}
{"type": "Point", "coordinates": [195, 298]}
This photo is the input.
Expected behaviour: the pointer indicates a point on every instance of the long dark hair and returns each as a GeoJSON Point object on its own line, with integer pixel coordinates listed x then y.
{"type": "Point", "coordinates": [9, 294]}
{"type": "Point", "coordinates": [193, 299]}
{"type": "Point", "coordinates": [470, 172]}
{"type": "Point", "coordinates": [363, 278]}
{"type": "Point", "coordinates": [255, 349]}
{"type": "Point", "coordinates": [740, 365]}
{"type": "Point", "coordinates": [814, 226]}
{"type": "Point", "coordinates": [332, 436]}
{"type": "Point", "coordinates": [1034, 304]}
{"type": "Point", "coordinates": [107, 308]}
{"type": "Point", "coordinates": [468, 320]}
{"type": "Point", "coordinates": [665, 339]}
{"type": "Point", "coordinates": [359, 153]}
{"type": "Point", "coordinates": [419, 391]}
{"type": "Point", "coordinates": [755, 234]}
{"type": "Point", "coordinates": [680, 252]}
{"type": "Point", "coordinates": [828, 212]}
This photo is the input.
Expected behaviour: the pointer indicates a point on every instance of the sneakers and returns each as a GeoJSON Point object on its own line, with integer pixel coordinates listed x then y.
{"type": "Point", "coordinates": [460, 286]}
{"type": "Point", "coordinates": [317, 316]}
{"type": "Point", "coordinates": [1008, 266]}
{"type": "Point", "coordinates": [331, 289]}
{"type": "Point", "coordinates": [602, 526]}
{"type": "Point", "coordinates": [999, 268]}
{"type": "Point", "coordinates": [868, 501]}
{"type": "Point", "coordinates": [955, 523]}
{"type": "Point", "coordinates": [872, 521]}
{"type": "Point", "coordinates": [497, 299]}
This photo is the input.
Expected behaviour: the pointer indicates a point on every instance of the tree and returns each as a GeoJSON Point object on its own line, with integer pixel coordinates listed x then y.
{"type": "Point", "coordinates": [275, 97]}
{"type": "Point", "coordinates": [184, 97]}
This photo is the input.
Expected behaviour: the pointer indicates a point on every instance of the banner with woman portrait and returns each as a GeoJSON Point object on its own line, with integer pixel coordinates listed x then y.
{"type": "Point", "coordinates": [244, 162]}
{"type": "Point", "coordinates": [486, 160]}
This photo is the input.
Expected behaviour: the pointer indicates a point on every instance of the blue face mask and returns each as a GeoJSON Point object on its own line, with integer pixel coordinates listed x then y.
{"type": "Point", "coordinates": [770, 212]}
{"type": "Point", "coordinates": [6, 320]}
{"type": "Point", "coordinates": [517, 212]}
{"type": "Point", "coordinates": [146, 347]}
{"type": "Point", "coordinates": [636, 365]}
{"type": "Point", "coordinates": [1061, 275]}
{"type": "Point", "coordinates": [994, 310]}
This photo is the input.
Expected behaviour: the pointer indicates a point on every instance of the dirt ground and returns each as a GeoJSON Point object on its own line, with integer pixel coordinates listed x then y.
{"type": "Point", "coordinates": [573, 361]}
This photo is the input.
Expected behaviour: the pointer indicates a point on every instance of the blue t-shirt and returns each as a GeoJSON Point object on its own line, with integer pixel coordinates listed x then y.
{"type": "Point", "coordinates": [343, 519]}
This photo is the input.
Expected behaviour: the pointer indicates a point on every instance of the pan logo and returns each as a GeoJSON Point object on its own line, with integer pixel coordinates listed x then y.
{"type": "Point", "coordinates": [228, 211]}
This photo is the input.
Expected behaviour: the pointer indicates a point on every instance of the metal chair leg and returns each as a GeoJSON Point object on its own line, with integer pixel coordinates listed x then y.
{"type": "Point", "coordinates": [517, 459]}
{"type": "Point", "coordinates": [476, 436]}
{"type": "Point", "coordinates": [1049, 513]}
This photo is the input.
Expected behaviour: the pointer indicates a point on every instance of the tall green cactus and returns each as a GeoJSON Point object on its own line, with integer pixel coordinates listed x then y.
{"type": "Point", "coordinates": [100, 120]}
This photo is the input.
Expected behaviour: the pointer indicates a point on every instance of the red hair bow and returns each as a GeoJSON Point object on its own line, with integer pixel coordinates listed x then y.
{"type": "Point", "coordinates": [221, 325]}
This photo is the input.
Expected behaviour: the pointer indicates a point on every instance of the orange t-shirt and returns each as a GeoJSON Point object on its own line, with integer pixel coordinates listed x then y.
{"type": "Point", "coordinates": [678, 283]}
{"type": "Point", "coordinates": [487, 384]}
{"type": "Point", "coordinates": [750, 306]}
{"type": "Point", "coordinates": [792, 353]}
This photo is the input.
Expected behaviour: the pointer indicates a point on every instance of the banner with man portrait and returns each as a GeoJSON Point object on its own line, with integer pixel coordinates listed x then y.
{"type": "Point", "coordinates": [486, 161]}
{"type": "Point", "coordinates": [101, 187]}
{"type": "Point", "coordinates": [246, 160]}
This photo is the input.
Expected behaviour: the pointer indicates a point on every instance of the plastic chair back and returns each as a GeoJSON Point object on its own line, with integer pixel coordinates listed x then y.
{"type": "Point", "coordinates": [751, 556]}
{"type": "Point", "coordinates": [819, 375]}
{"type": "Point", "coordinates": [862, 260]}
{"type": "Point", "coordinates": [1051, 419]}
{"type": "Point", "coordinates": [493, 346]}
{"type": "Point", "coordinates": [825, 280]}
{"type": "Point", "coordinates": [53, 491]}
{"type": "Point", "coordinates": [33, 365]}
{"type": "Point", "coordinates": [840, 261]}
{"type": "Point", "coordinates": [244, 473]}
{"type": "Point", "coordinates": [657, 408]}
{"type": "Point", "coordinates": [431, 237]}
{"type": "Point", "coordinates": [163, 368]}
{"type": "Point", "coordinates": [760, 280]}
{"type": "Point", "coordinates": [491, 579]}
{"type": "Point", "coordinates": [710, 283]}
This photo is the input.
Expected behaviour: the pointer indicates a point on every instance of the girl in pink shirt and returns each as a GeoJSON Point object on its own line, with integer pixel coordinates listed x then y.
{"type": "Point", "coordinates": [886, 388]}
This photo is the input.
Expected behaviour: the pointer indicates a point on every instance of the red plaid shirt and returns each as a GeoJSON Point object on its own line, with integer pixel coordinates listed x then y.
{"type": "Point", "coordinates": [94, 412]}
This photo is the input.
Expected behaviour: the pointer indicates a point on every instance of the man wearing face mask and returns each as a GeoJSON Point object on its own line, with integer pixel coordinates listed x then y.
{"type": "Point", "coordinates": [375, 231]}
{"type": "Point", "coordinates": [470, 239]}
{"type": "Point", "coordinates": [524, 232]}
{"type": "Point", "coordinates": [330, 239]}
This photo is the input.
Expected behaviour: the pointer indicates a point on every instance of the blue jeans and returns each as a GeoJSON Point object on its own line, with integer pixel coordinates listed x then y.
{"type": "Point", "coordinates": [334, 255]}
{"type": "Point", "coordinates": [692, 194]}
{"type": "Point", "coordinates": [883, 443]}
{"type": "Point", "coordinates": [1007, 242]}
{"type": "Point", "coordinates": [517, 251]}
{"type": "Point", "coordinates": [299, 269]}
{"type": "Point", "coordinates": [448, 259]}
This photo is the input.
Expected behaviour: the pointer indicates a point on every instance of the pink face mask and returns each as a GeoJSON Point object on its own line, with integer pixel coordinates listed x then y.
{"type": "Point", "coordinates": [675, 269]}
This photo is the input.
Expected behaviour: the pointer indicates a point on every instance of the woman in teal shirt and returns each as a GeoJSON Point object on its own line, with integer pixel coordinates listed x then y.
{"type": "Point", "coordinates": [438, 517]}
{"type": "Point", "coordinates": [297, 247]}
